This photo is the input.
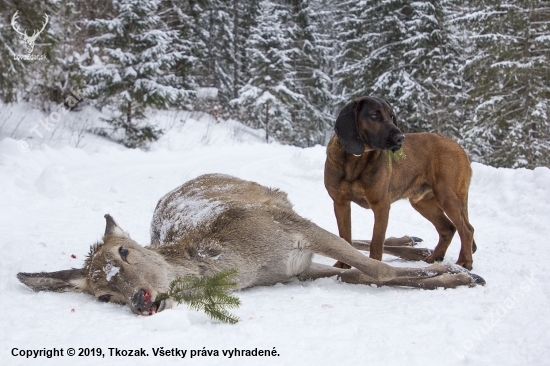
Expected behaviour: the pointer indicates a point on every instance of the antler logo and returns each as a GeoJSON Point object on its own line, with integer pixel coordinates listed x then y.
{"type": "Point", "coordinates": [30, 40]}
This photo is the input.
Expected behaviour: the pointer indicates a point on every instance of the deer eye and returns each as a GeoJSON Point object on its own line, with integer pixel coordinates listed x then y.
{"type": "Point", "coordinates": [123, 253]}
{"type": "Point", "coordinates": [104, 298]}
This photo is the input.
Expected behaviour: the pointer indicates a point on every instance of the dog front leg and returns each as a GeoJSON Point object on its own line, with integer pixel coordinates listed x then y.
{"type": "Point", "coordinates": [342, 211]}
{"type": "Point", "coordinates": [381, 211]}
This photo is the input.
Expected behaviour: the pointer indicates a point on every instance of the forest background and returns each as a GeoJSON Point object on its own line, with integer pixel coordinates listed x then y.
{"type": "Point", "coordinates": [475, 71]}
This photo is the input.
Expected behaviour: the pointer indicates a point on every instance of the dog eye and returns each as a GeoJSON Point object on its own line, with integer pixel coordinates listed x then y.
{"type": "Point", "coordinates": [123, 253]}
{"type": "Point", "coordinates": [104, 298]}
{"type": "Point", "coordinates": [374, 116]}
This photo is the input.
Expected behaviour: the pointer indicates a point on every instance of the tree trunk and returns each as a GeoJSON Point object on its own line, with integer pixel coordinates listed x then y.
{"type": "Point", "coordinates": [267, 122]}
{"type": "Point", "coordinates": [129, 115]}
{"type": "Point", "coordinates": [235, 48]}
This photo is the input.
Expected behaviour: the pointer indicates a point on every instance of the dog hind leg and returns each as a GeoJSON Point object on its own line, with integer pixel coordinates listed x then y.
{"type": "Point", "coordinates": [428, 207]}
{"type": "Point", "coordinates": [456, 210]}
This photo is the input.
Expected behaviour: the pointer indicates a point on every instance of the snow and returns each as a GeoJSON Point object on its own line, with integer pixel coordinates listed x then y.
{"type": "Point", "coordinates": [110, 271]}
{"type": "Point", "coordinates": [54, 197]}
{"type": "Point", "coordinates": [192, 210]}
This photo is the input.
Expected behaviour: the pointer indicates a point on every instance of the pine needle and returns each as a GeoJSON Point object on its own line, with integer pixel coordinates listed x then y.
{"type": "Point", "coordinates": [209, 294]}
{"type": "Point", "coordinates": [397, 155]}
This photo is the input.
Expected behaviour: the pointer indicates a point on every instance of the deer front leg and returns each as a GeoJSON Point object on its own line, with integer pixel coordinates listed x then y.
{"type": "Point", "coordinates": [404, 252]}
{"type": "Point", "coordinates": [404, 241]}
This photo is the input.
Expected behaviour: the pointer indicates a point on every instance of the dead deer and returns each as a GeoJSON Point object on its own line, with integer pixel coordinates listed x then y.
{"type": "Point", "coordinates": [218, 222]}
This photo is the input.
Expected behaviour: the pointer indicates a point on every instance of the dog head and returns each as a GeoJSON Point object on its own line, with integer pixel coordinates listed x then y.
{"type": "Point", "coordinates": [368, 123]}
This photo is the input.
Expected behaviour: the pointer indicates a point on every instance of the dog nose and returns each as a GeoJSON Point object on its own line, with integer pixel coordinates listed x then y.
{"type": "Point", "coordinates": [398, 139]}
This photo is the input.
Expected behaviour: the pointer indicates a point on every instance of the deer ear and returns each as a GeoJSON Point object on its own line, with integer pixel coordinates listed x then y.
{"type": "Point", "coordinates": [346, 129]}
{"type": "Point", "coordinates": [71, 280]}
{"type": "Point", "coordinates": [112, 228]}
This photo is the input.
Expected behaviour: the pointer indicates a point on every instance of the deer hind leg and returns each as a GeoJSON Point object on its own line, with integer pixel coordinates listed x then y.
{"type": "Point", "coordinates": [354, 276]}
{"type": "Point", "coordinates": [429, 208]}
{"type": "Point", "coordinates": [375, 272]}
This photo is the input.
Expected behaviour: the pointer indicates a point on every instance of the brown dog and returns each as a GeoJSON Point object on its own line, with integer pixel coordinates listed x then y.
{"type": "Point", "coordinates": [434, 175]}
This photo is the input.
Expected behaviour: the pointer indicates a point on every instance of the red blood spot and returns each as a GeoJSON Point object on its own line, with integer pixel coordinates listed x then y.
{"type": "Point", "coordinates": [72, 310]}
{"type": "Point", "coordinates": [146, 297]}
{"type": "Point", "coordinates": [73, 256]}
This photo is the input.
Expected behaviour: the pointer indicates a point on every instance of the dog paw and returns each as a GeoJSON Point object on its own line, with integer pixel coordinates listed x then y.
{"type": "Point", "coordinates": [341, 265]}
{"type": "Point", "coordinates": [434, 258]}
{"type": "Point", "coordinates": [466, 264]}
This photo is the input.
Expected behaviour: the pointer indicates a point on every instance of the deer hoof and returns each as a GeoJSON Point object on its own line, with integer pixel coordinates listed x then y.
{"type": "Point", "coordinates": [341, 265]}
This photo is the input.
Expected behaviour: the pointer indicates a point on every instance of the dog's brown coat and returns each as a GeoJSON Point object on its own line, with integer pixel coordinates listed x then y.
{"type": "Point", "coordinates": [435, 176]}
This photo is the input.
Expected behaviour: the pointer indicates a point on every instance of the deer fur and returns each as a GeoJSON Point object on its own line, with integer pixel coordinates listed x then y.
{"type": "Point", "coordinates": [218, 222]}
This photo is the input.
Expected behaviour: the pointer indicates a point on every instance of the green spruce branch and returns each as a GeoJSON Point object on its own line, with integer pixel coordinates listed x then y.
{"type": "Point", "coordinates": [395, 156]}
{"type": "Point", "coordinates": [209, 294]}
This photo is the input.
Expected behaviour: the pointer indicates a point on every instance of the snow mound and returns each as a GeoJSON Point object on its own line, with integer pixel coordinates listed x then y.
{"type": "Point", "coordinates": [53, 182]}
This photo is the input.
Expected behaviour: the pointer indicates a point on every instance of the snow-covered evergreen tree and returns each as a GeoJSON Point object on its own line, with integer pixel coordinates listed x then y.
{"type": "Point", "coordinates": [432, 63]}
{"type": "Point", "coordinates": [12, 75]}
{"type": "Point", "coordinates": [311, 114]}
{"type": "Point", "coordinates": [132, 67]}
{"type": "Point", "coordinates": [27, 78]}
{"type": "Point", "coordinates": [404, 52]}
{"type": "Point", "coordinates": [62, 73]}
{"type": "Point", "coordinates": [177, 15]}
{"type": "Point", "coordinates": [270, 93]}
{"type": "Point", "coordinates": [369, 60]}
{"type": "Point", "coordinates": [512, 90]}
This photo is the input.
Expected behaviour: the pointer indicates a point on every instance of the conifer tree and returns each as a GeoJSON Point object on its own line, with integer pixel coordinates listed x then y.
{"type": "Point", "coordinates": [12, 75]}
{"type": "Point", "coordinates": [369, 58]}
{"type": "Point", "coordinates": [269, 94]}
{"type": "Point", "coordinates": [177, 15]}
{"type": "Point", "coordinates": [402, 51]}
{"type": "Point", "coordinates": [132, 68]}
{"type": "Point", "coordinates": [431, 60]}
{"type": "Point", "coordinates": [26, 78]}
{"type": "Point", "coordinates": [311, 114]}
{"type": "Point", "coordinates": [62, 73]}
{"type": "Point", "coordinates": [511, 126]}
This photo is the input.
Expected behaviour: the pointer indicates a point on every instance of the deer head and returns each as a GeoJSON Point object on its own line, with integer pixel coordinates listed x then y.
{"type": "Point", "coordinates": [117, 270]}
{"type": "Point", "coordinates": [30, 40]}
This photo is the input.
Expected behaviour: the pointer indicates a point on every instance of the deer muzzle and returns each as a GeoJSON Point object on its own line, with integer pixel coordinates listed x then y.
{"type": "Point", "coordinates": [144, 304]}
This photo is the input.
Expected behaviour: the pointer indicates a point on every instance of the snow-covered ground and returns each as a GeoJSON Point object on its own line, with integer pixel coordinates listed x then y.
{"type": "Point", "coordinates": [53, 198]}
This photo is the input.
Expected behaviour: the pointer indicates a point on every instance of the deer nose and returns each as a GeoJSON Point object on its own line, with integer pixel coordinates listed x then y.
{"type": "Point", "coordinates": [141, 301]}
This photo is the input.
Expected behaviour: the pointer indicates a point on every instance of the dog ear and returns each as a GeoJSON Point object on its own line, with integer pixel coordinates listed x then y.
{"type": "Point", "coordinates": [346, 129]}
